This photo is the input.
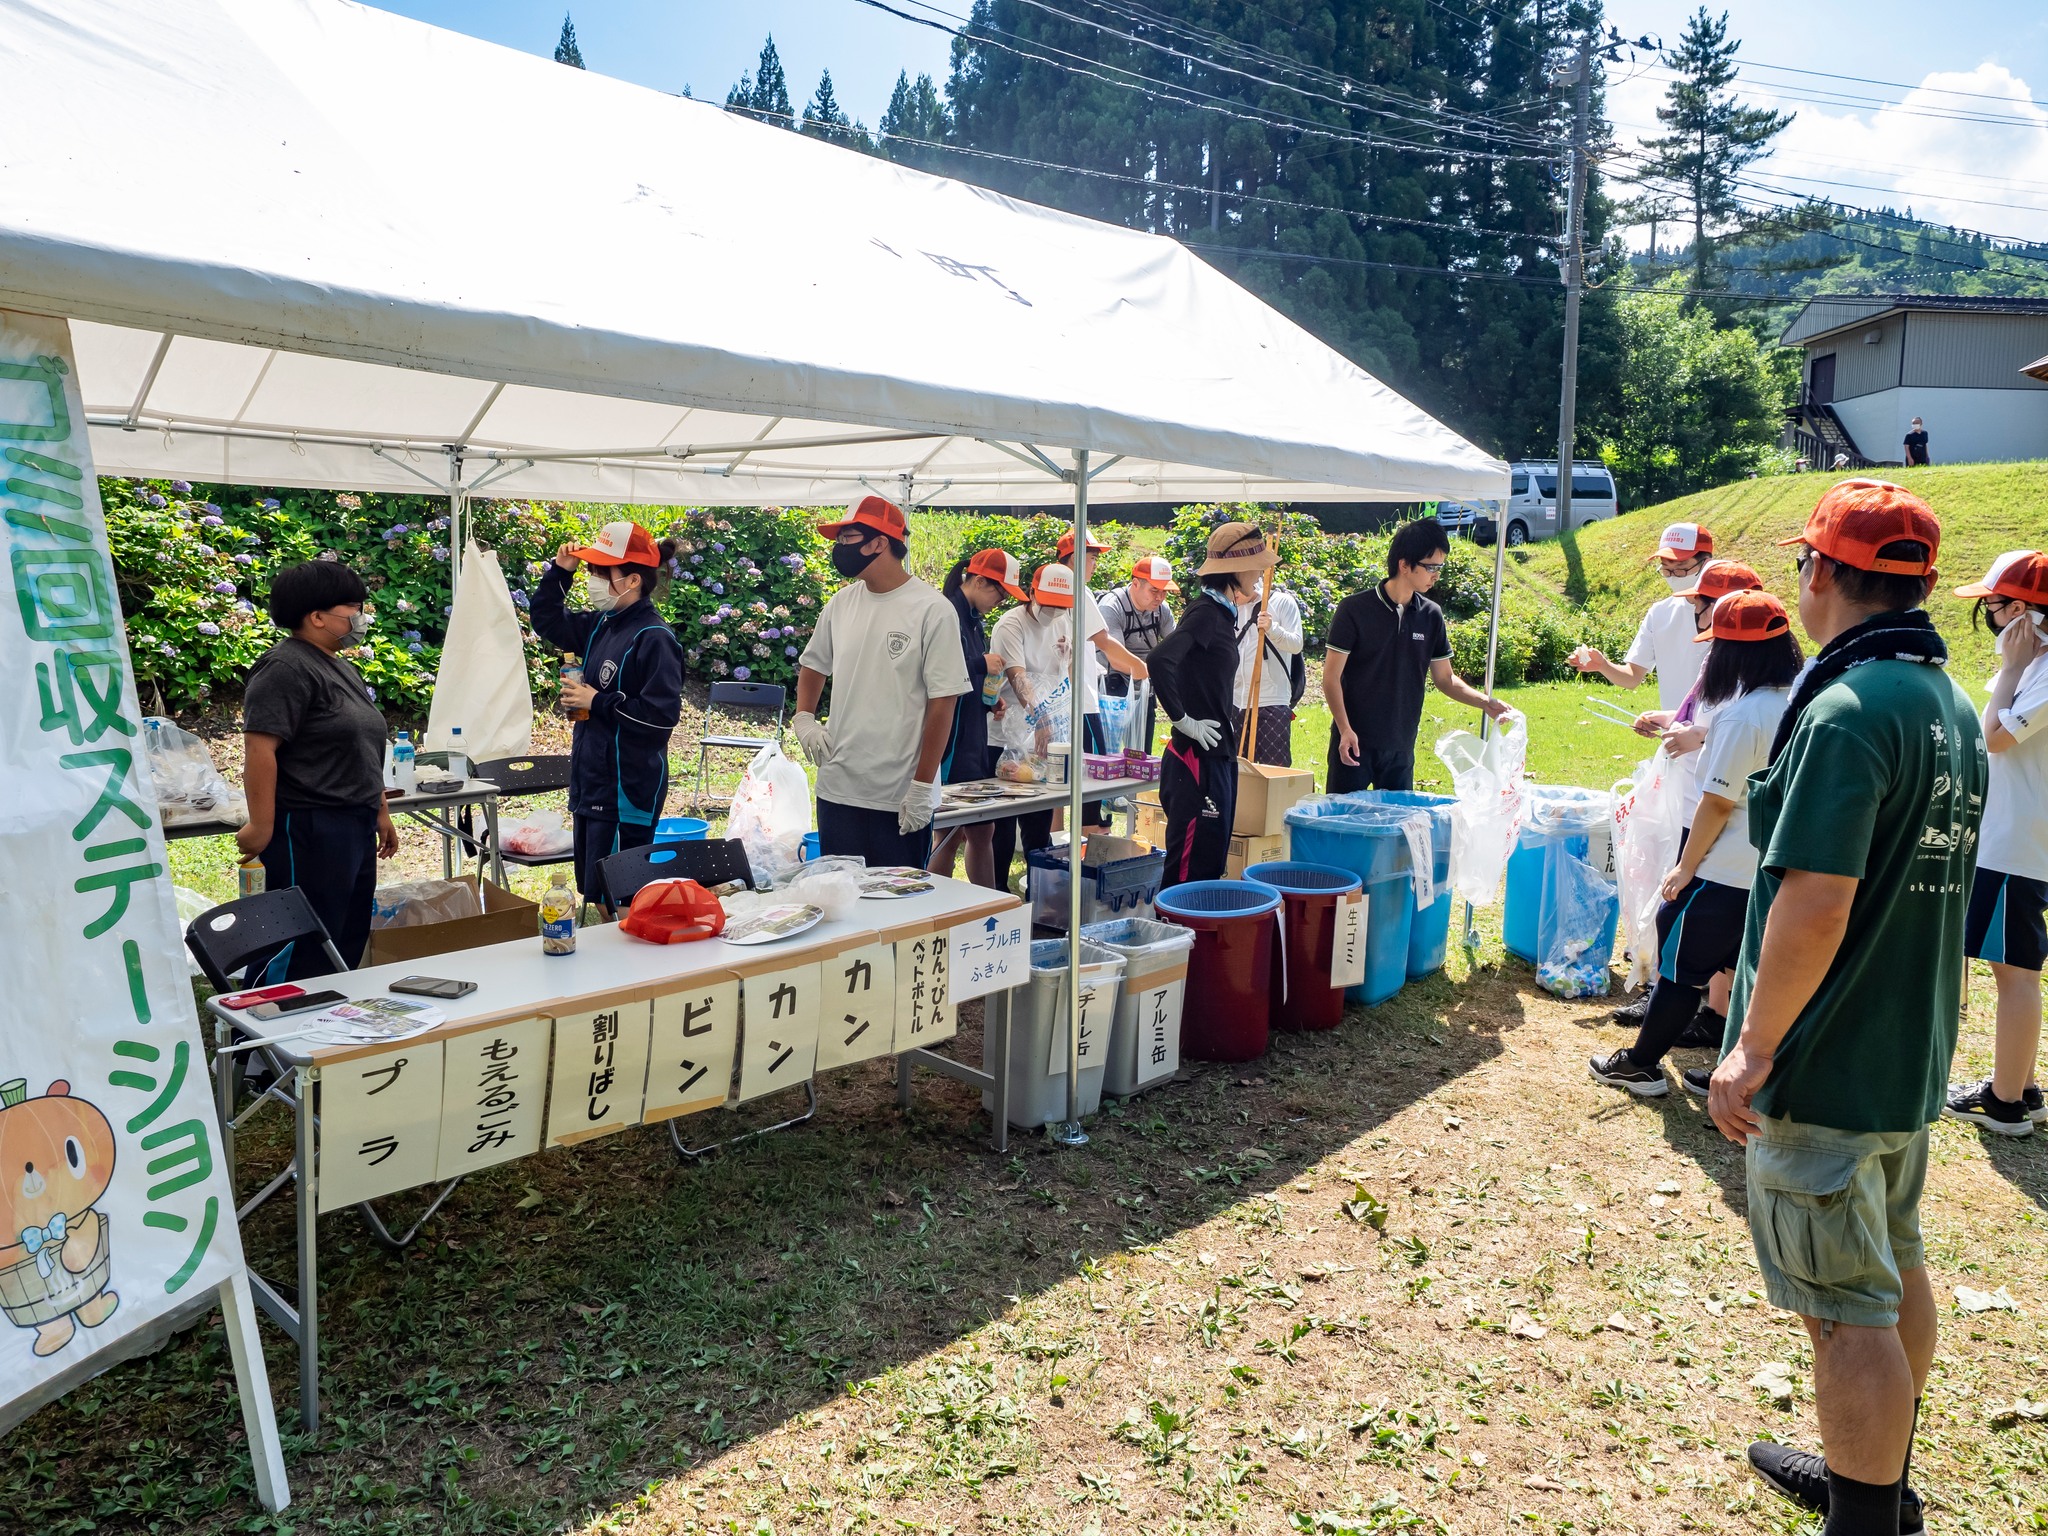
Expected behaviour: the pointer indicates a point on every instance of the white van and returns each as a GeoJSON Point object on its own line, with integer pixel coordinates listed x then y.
{"type": "Point", "coordinates": [1532, 501]}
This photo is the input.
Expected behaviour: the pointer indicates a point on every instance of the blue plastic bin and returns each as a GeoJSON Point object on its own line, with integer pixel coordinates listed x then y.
{"type": "Point", "coordinates": [1368, 841]}
{"type": "Point", "coordinates": [810, 846]}
{"type": "Point", "coordinates": [1430, 936]}
{"type": "Point", "coordinates": [681, 829]}
{"type": "Point", "coordinates": [1558, 820]}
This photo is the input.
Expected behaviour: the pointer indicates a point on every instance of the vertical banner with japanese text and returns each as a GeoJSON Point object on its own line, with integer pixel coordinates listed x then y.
{"type": "Point", "coordinates": [114, 1206]}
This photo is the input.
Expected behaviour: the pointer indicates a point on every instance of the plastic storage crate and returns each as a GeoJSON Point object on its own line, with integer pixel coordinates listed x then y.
{"type": "Point", "coordinates": [1119, 878]}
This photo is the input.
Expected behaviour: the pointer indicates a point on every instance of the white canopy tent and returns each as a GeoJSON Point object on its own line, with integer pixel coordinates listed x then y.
{"type": "Point", "coordinates": [307, 243]}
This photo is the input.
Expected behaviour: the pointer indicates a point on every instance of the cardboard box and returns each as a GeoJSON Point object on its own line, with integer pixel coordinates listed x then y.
{"type": "Point", "coordinates": [1149, 824]}
{"type": "Point", "coordinates": [504, 917]}
{"type": "Point", "coordinates": [1246, 851]}
{"type": "Point", "coordinates": [1263, 795]}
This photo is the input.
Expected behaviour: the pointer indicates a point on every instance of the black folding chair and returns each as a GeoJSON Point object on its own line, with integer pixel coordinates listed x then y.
{"type": "Point", "coordinates": [759, 698]}
{"type": "Point", "coordinates": [709, 862]}
{"type": "Point", "coordinates": [517, 776]}
{"type": "Point", "coordinates": [245, 936]}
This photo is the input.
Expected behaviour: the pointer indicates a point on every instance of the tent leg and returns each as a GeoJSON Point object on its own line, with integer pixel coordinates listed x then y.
{"type": "Point", "coordinates": [1069, 1133]}
{"type": "Point", "coordinates": [457, 507]}
{"type": "Point", "coordinates": [1500, 560]}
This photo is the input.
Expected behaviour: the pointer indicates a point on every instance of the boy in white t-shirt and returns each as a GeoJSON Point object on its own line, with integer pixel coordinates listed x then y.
{"type": "Point", "coordinates": [891, 645]}
{"type": "Point", "coordinates": [1664, 640]}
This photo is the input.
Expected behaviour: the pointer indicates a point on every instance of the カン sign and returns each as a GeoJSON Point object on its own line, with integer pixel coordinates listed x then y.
{"type": "Point", "coordinates": [114, 1209]}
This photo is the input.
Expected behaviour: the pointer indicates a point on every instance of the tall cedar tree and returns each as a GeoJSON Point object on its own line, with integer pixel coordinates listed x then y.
{"type": "Point", "coordinates": [765, 93]}
{"type": "Point", "coordinates": [915, 119]}
{"type": "Point", "coordinates": [1396, 181]}
{"type": "Point", "coordinates": [566, 51]}
{"type": "Point", "coordinates": [825, 119]}
{"type": "Point", "coordinates": [1710, 139]}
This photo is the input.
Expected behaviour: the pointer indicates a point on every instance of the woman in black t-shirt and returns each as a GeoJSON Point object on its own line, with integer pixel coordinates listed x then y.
{"type": "Point", "coordinates": [313, 764]}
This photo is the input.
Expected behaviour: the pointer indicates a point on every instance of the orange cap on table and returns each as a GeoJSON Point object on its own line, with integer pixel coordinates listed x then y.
{"type": "Point", "coordinates": [874, 512]}
{"type": "Point", "coordinates": [1749, 615]}
{"type": "Point", "coordinates": [1857, 518]}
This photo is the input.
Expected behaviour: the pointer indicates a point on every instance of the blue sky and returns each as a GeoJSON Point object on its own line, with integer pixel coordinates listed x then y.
{"type": "Point", "coordinates": [1925, 150]}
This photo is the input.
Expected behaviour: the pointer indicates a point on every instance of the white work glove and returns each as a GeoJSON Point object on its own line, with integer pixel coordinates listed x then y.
{"type": "Point", "coordinates": [1203, 733]}
{"type": "Point", "coordinates": [814, 737]}
{"type": "Point", "coordinates": [918, 807]}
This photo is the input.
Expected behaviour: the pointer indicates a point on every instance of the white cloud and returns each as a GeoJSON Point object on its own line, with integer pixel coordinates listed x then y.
{"type": "Point", "coordinates": [1925, 152]}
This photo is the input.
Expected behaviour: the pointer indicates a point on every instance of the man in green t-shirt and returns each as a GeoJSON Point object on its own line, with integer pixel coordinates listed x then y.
{"type": "Point", "coordinates": [1844, 1012]}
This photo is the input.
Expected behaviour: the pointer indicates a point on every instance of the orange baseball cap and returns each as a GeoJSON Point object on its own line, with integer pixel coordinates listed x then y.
{"type": "Point", "coordinates": [1000, 567]}
{"type": "Point", "coordinates": [1054, 585]}
{"type": "Point", "coordinates": [2021, 574]}
{"type": "Point", "coordinates": [1095, 546]}
{"type": "Point", "coordinates": [619, 544]}
{"type": "Point", "coordinates": [1747, 615]}
{"type": "Point", "coordinates": [1681, 541]}
{"type": "Point", "coordinates": [1857, 518]}
{"type": "Point", "coordinates": [1157, 570]}
{"type": "Point", "coordinates": [1720, 577]}
{"type": "Point", "coordinates": [871, 512]}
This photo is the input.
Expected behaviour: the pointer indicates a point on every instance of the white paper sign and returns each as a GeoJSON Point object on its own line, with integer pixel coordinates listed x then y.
{"type": "Point", "coordinates": [1098, 1012]}
{"type": "Point", "coordinates": [99, 1044]}
{"type": "Point", "coordinates": [689, 1061]}
{"type": "Point", "coordinates": [380, 1124]}
{"type": "Point", "coordinates": [779, 1030]}
{"type": "Point", "coordinates": [494, 1086]}
{"type": "Point", "coordinates": [1156, 1011]}
{"type": "Point", "coordinates": [1347, 947]}
{"type": "Point", "coordinates": [990, 954]}
{"type": "Point", "coordinates": [600, 1073]}
{"type": "Point", "coordinates": [924, 1011]}
{"type": "Point", "coordinates": [857, 1018]}
{"type": "Point", "coordinates": [1422, 855]}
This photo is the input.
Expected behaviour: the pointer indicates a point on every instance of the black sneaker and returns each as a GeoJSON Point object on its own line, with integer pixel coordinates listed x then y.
{"type": "Point", "coordinates": [1802, 1477]}
{"type": "Point", "coordinates": [1633, 1014]}
{"type": "Point", "coordinates": [2036, 1106]}
{"type": "Point", "coordinates": [1704, 1029]}
{"type": "Point", "coordinates": [1697, 1080]}
{"type": "Point", "coordinates": [1620, 1071]}
{"type": "Point", "coordinates": [1981, 1107]}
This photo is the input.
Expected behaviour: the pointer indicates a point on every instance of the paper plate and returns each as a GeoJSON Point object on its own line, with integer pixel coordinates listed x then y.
{"type": "Point", "coordinates": [893, 884]}
{"type": "Point", "coordinates": [772, 923]}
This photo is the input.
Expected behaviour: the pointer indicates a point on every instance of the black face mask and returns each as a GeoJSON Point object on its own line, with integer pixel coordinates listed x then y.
{"type": "Point", "coordinates": [849, 560]}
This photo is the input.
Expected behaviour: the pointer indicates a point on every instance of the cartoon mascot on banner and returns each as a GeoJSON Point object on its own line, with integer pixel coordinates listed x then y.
{"type": "Point", "coordinates": [56, 1160]}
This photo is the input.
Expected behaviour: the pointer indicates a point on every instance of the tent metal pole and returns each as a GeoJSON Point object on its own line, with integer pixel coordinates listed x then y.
{"type": "Point", "coordinates": [1070, 1134]}
{"type": "Point", "coordinates": [456, 507]}
{"type": "Point", "coordinates": [1500, 561]}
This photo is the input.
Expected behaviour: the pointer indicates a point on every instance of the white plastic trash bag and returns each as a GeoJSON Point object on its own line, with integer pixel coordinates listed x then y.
{"type": "Point", "coordinates": [1487, 777]}
{"type": "Point", "coordinates": [1647, 815]}
{"type": "Point", "coordinates": [188, 787]}
{"type": "Point", "coordinates": [771, 812]}
{"type": "Point", "coordinates": [482, 685]}
{"type": "Point", "coordinates": [539, 836]}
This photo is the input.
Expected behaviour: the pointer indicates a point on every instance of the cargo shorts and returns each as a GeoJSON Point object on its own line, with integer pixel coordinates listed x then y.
{"type": "Point", "coordinates": [1835, 1216]}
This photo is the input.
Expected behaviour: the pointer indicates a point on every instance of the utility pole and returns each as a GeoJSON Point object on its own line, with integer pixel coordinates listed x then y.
{"type": "Point", "coordinates": [1581, 72]}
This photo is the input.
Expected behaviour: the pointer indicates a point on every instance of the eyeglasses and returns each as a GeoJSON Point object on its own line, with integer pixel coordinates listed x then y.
{"type": "Point", "coordinates": [1432, 566]}
{"type": "Point", "coordinates": [1800, 561]}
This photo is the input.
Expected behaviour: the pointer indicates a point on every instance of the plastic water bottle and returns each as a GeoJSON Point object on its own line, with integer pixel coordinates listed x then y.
{"type": "Point", "coordinates": [572, 672]}
{"type": "Point", "coordinates": [558, 919]}
{"type": "Point", "coordinates": [458, 760]}
{"type": "Point", "coordinates": [402, 763]}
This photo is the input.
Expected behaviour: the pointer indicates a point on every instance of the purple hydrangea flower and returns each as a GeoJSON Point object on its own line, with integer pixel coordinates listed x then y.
{"type": "Point", "coordinates": [243, 605]}
{"type": "Point", "coordinates": [167, 648]}
{"type": "Point", "coordinates": [182, 487]}
{"type": "Point", "coordinates": [718, 588]}
{"type": "Point", "coordinates": [414, 648]}
{"type": "Point", "coordinates": [771, 634]}
{"type": "Point", "coordinates": [209, 629]}
{"type": "Point", "coordinates": [404, 606]}
{"type": "Point", "coordinates": [270, 503]}
{"type": "Point", "coordinates": [210, 521]}
{"type": "Point", "coordinates": [245, 559]}
{"type": "Point", "coordinates": [440, 551]}
{"type": "Point", "coordinates": [718, 549]}
{"type": "Point", "coordinates": [694, 559]}
{"type": "Point", "coordinates": [741, 673]}
{"type": "Point", "coordinates": [408, 634]}
{"type": "Point", "coordinates": [207, 506]}
{"type": "Point", "coordinates": [224, 588]}
{"type": "Point", "coordinates": [789, 650]}
{"type": "Point", "coordinates": [396, 530]}
{"type": "Point", "coordinates": [519, 596]}
{"type": "Point", "coordinates": [205, 550]}
{"type": "Point", "coordinates": [156, 500]}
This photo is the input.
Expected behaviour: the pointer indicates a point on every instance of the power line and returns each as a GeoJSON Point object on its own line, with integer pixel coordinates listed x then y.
{"type": "Point", "coordinates": [1898, 85]}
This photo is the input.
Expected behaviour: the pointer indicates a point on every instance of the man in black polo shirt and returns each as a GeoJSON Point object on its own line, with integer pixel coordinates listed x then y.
{"type": "Point", "coordinates": [1382, 645]}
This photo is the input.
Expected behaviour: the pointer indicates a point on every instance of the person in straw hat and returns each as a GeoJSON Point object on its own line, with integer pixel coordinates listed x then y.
{"type": "Point", "coordinates": [1194, 671]}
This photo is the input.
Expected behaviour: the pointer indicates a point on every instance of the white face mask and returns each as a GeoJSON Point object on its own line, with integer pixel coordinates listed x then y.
{"type": "Point", "coordinates": [1679, 583]}
{"type": "Point", "coordinates": [598, 593]}
{"type": "Point", "coordinates": [359, 624]}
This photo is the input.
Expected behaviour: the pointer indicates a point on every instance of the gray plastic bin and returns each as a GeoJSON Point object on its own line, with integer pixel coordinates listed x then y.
{"type": "Point", "coordinates": [1038, 1032]}
{"type": "Point", "coordinates": [1144, 1046]}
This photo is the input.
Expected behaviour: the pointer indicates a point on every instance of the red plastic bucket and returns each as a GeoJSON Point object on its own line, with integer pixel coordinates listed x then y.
{"type": "Point", "coordinates": [1302, 997]}
{"type": "Point", "coordinates": [1228, 1014]}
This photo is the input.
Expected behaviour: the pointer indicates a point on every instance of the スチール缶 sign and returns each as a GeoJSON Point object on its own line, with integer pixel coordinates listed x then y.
{"type": "Point", "coordinates": [114, 1207]}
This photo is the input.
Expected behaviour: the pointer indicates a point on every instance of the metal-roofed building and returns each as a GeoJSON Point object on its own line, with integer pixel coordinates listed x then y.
{"type": "Point", "coordinates": [1874, 362]}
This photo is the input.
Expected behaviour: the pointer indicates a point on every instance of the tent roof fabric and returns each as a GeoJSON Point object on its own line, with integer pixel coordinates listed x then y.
{"type": "Point", "coordinates": [304, 242]}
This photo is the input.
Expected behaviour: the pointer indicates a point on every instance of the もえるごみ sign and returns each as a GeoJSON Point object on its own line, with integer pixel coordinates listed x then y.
{"type": "Point", "coordinates": [115, 1210]}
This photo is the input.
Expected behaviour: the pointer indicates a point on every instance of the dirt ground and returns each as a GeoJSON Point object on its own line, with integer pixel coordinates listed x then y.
{"type": "Point", "coordinates": [1417, 1273]}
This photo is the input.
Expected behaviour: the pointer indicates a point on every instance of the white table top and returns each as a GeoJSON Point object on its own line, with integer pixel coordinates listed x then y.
{"type": "Point", "coordinates": [1052, 798]}
{"type": "Point", "coordinates": [516, 980]}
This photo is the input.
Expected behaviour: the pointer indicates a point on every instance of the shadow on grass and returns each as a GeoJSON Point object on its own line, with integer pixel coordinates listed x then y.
{"type": "Point", "coordinates": [2022, 1161]}
{"type": "Point", "coordinates": [577, 1325]}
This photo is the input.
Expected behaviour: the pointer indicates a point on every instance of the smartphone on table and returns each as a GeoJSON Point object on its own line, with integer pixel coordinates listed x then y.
{"type": "Point", "coordinates": [433, 986]}
{"type": "Point", "coordinates": [305, 1002]}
